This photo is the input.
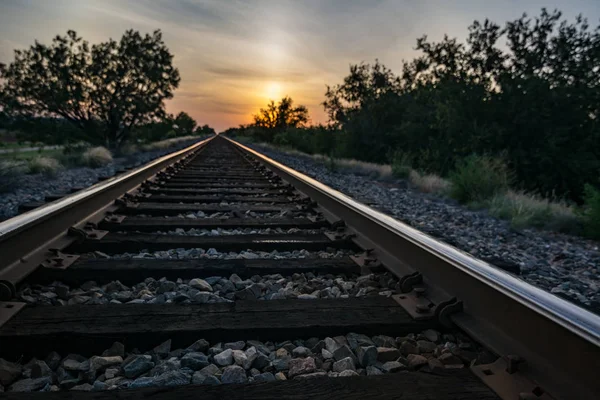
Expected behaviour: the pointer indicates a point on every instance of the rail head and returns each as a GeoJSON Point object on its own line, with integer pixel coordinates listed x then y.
{"type": "Point", "coordinates": [527, 298]}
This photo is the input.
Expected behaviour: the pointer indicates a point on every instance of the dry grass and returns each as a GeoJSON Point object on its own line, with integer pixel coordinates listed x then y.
{"type": "Point", "coordinates": [525, 210]}
{"type": "Point", "coordinates": [45, 165]}
{"type": "Point", "coordinates": [429, 183]}
{"type": "Point", "coordinates": [97, 157]}
{"type": "Point", "coordinates": [165, 144]}
{"type": "Point", "coordinates": [10, 172]}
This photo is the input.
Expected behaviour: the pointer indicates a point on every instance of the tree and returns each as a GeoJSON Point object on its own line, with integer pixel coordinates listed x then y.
{"type": "Point", "coordinates": [105, 89]}
{"type": "Point", "coordinates": [279, 117]}
{"type": "Point", "coordinates": [204, 130]}
{"type": "Point", "coordinates": [184, 124]}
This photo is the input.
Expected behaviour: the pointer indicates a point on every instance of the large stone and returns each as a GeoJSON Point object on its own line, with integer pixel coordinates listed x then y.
{"type": "Point", "coordinates": [99, 364]}
{"type": "Point", "coordinates": [141, 382]}
{"type": "Point", "coordinates": [301, 351]}
{"type": "Point", "coordinates": [201, 379]}
{"type": "Point", "coordinates": [9, 372]}
{"type": "Point", "coordinates": [385, 354]}
{"type": "Point", "coordinates": [136, 365]}
{"type": "Point", "coordinates": [239, 358]}
{"type": "Point", "coordinates": [235, 345]}
{"type": "Point", "coordinates": [426, 346]}
{"type": "Point", "coordinates": [416, 360]}
{"type": "Point", "coordinates": [356, 339]}
{"type": "Point", "coordinates": [73, 365]}
{"type": "Point", "coordinates": [211, 369]}
{"type": "Point", "coordinates": [331, 345]}
{"type": "Point", "coordinates": [85, 387]}
{"type": "Point", "coordinates": [265, 377]}
{"type": "Point", "coordinates": [409, 347]}
{"type": "Point", "coordinates": [384, 341]}
{"type": "Point", "coordinates": [172, 378]}
{"type": "Point", "coordinates": [326, 354]}
{"type": "Point", "coordinates": [281, 364]}
{"type": "Point", "coordinates": [224, 358]}
{"type": "Point", "coordinates": [367, 355]}
{"type": "Point", "coordinates": [251, 355]}
{"type": "Point", "coordinates": [53, 360]}
{"type": "Point", "coordinates": [343, 352]}
{"type": "Point", "coordinates": [194, 361]}
{"type": "Point", "coordinates": [347, 373]}
{"type": "Point", "coordinates": [199, 345]}
{"type": "Point", "coordinates": [431, 335]}
{"type": "Point", "coordinates": [117, 349]}
{"type": "Point", "coordinates": [371, 371]}
{"type": "Point", "coordinates": [393, 366]}
{"type": "Point", "coordinates": [201, 285]}
{"type": "Point", "coordinates": [40, 369]}
{"type": "Point", "coordinates": [234, 374]}
{"type": "Point", "coordinates": [163, 349]}
{"type": "Point", "coordinates": [29, 385]}
{"type": "Point", "coordinates": [343, 365]}
{"type": "Point", "coordinates": [251, 292]}
{"type": "Point", "coordinates": [313, 375]}
{"type": "Point", "coordinates": [261, 362]}
{"type": "Point", "coordinates": [450, 359]}
{"type": "Point", "coordinates": [301, 366]}
{"type": "Point", "coordinates": [261, 347]}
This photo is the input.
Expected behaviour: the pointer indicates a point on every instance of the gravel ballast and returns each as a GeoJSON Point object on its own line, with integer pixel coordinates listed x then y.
{"type": "Point", "coordinates": [216, 289]}
{"type": "Point", "coordinates": [35, 187]}
{"type": "Point", "coordinates": [565, 265]}
{"type": "Point", "coordinates": [243, 362]}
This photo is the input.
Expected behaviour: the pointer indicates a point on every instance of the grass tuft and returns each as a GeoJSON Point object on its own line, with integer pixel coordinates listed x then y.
{"type": "Point", "coordinates": [429, 183]}
{"type": "Point", "coordinates": [10, 173]}
{"type": "Point", "coordinates": [47, 166]}
{"type": "Point", "coordinates": [96, 157]}
{"type": "Point", "coordinates": [478, 178]}
{"type": "Point", "coordinates": [591, 212]}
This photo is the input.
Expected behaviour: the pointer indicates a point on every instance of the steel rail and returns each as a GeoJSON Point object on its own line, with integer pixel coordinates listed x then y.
{"type": "Point", "coordinates": [507, 314]}
{"type": "Point", "coordinates": [22, 235]}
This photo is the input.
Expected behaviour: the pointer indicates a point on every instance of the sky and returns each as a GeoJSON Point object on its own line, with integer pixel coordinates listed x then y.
{"type": "Point", "coordinates": [234, 55]}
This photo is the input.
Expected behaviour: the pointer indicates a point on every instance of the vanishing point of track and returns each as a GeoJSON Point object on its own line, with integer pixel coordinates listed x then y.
{"type": "Point", "coordinates": [545, 347]}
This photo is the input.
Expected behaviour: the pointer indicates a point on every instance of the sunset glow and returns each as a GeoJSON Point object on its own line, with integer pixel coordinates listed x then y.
{"type": "Point", "coordinates": [234, 56]}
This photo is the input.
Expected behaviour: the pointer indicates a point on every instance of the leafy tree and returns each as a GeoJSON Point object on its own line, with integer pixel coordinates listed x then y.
{"type": "Point", "coordinates": [105, 89]}
{"type": "Point", "coordinates": [279, 117]}
{"type": "Point", "coordinates": [204, 130]}
{"type": "Point", "coordinates": [184, 124]}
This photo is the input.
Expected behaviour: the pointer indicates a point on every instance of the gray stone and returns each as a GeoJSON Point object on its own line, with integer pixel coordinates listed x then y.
{"type": "Point", "coordinates": [408, 347]}
{"type": "Point", "coordinates": [313, 375]}
{"type": "Point", "coordinates": [141, 382]}
{"type": "Point", "coordinates": [431, 335]}
{"type": "Point", "coordinates": [343, 352]}
{"type": "Point", "coordinates": [371, 370]}
{"type": "Point", "coordinates": [234, 374]}
{"type": "Point", "coordinates": [101, 363]}
{"type": "Point", "coordinates": [29, 385]}
{"type": "Point", "coordinates": [224, 358]}
{"type": "Point", "coordinates": [99, 386]}
{"type": "Point", "coordinates": [111, 372]}
{"type": "Point", "coordinates": [344, 364]}
{"type": "Point", "coordinates": [367, 355]}
{"type": "Point", "coordinates": [117, 349]}
{"type": "Point", "coordinates": [301, 351]}
{"type": "Point", "coordinates": [393, 366]}
{"type": "Point", "coordinates": [262, 361]}
{"type": "Point", "coordinates": [74, 365]}
{"type": "Point", "coordinates": [194, 361]}
{"type": "Point", "coordinates": [416, 360]}
{"type": "Point", "coordinates": [426, 346]}
{"type": "Point", "coordinates": [435, 365]}
{"type": "Point", "coordinates": [172, 378]}
{"type": "Point", "coordinates": [251, 355]}
{"type": "Point", "coordinates": [384, 341]}
{"type": "Point", "coordinates": [211, 369]}
{"type": "Point", "coordinates": [40, 369]}
{"type": "Point", "coordinates": [281, 364]}
{"type": "Point", "coordinates": [251, 292]}
{"type": "Point", "coordinates": [356, 339]}
{"type": "Point", "coordinates": [301, 366]}
{"type": "Point", "coordinates": [265, 377]}
{"type": "Point", "coordinates": [450, 359]}
{"type": "Point", "coordinates": [53, 360]}
{"type": "Point", "coordinates": [201, 285]}
{"type": "Point", "coordinates": [200, 345]}
{"type": "Point", "coordinates": [134, 366]}
{"type": "Point", "coordinates": [385, 354]}
{"type": "Point", "coordinates": [163, 349]}
{"type": "Point", "coordinates": [166, 286]}
{"type": "Point", "coordinates": [331, 345]}
{"type": "Point", "coordinates": [347, 373]}
{"type": "Point", "coordinates": [239, 358]}
{"type": "Point", "coordinates": [201, 379]}
{"type": "Point", "coordinates": [259, 346]}
{"type": "Point", "coordinates": [86, 387]}
{"type": "Point", "coordinates": [9, 372]}
{"type": "Point", "coordinates": [326, 354]}
{"type": "Point", "coordinates": [235, 345]}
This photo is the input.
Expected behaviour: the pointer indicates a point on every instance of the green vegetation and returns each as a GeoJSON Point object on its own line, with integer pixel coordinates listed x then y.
{"type": "Point", "coordinates": [47, 166]}
{"type": "Point", "coordinates": [592, 211]}
{"type": "Point", "coordinates": [10, 173]}
{"type": "Point", "coordinates": [526, 93]}
{"type": "Point", "coordinates": [96, 157]}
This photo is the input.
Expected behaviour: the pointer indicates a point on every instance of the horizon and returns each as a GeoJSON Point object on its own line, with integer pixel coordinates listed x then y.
{"type": "Point", "coordinates": [235, 57]}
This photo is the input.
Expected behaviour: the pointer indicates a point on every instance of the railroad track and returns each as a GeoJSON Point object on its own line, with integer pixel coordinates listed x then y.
{"type": "Point", "coordinates": [216, 267]}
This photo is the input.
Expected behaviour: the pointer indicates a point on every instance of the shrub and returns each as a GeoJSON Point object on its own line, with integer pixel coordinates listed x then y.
{"type": "Point", "coordinates": [97, 157]}
{"type": "Point", "coordinates": [44, 165]}
{"type": "Point", "coordinates": [592, 211]}
{"type": "Point", "coordinates": [401, 165]}
{"type": "Point", "coordinates": [10, 172]}
{"type": "Point", "coordinates": [527, 210]}
{"type": "Point", "coordinates": [380, 171]}
{"type": "Point", "coordinates": [167, 143]}
{"type": "Point", "coordinates": [478, 178]}
{"type": "Point", "coordinates": [429, 183]}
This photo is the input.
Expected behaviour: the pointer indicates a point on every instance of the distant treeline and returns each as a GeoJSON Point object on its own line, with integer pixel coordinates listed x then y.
{"type": "Point", "coordinates": [526, 93]}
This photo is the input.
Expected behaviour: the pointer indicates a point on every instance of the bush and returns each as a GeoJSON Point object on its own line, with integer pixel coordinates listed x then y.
{"type": "Point", "coordinates": [478, 178]}
{"type": "Point", "coordinates": [10, 172]}
{"type": "Point", "coordinates": [429, 183]}
{"type": "Point", "coordinates": [526, 210]}
{"type": "Point", "coordinates": [401, 165]}
{"type": "Point", "coordinates": [592, 211]}
{"type": "Point", "coordinates": [44, 165]}
{"type": "Point", "coordinates": [97, 157]}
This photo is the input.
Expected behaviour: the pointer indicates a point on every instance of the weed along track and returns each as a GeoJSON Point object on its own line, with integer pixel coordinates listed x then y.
{"type": "Point", "coordinates": [216, 267]}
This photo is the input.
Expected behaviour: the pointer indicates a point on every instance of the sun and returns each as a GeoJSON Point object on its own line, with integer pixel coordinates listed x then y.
{"type": "Point", "coordinates": [273, 90]}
